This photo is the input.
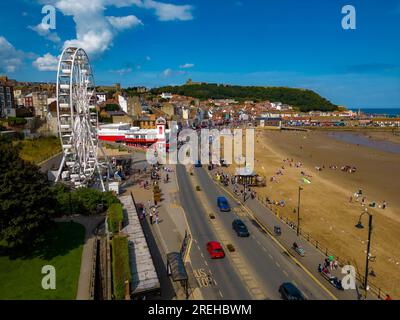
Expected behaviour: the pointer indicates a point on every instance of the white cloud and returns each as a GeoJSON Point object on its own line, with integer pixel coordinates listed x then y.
{"type": "Point", "coordinates": [186, 66]}
{"type": "Point", "coordinates": [95, 31]}
{"type": "Point", "coordinates": [122, 72]}
{"type": "Point", "coordinates": [169, 12]}
{"type": "Point", "coordinates": [44, 31]}
{"type": "Point", "coordinates": [46, 63]}
{"type": "Point", "coordinates": [167, 72]}
{"type": "Point", "coordinates": [10, 58]}
{"type": "Point", "coordinates": [122, 23]}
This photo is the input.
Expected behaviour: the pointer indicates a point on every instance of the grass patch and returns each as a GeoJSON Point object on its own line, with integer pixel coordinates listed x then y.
{"type": "Point", "coordinates": [120, 266]}
{"type": "Point", "coordinates": [115, 217]}
{"type": "Point", "coordinates": [20, 273]}
{"type": "Point", "coordinates": [40, 149]}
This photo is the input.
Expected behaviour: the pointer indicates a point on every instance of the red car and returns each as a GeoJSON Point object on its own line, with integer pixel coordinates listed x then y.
{"type": "Point", "coordinates": [215, 250]}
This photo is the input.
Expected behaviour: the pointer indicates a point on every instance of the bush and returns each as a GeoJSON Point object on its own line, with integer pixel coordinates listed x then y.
{"type": "Point", "coordinates": [15, 121]}
{"type": "Point", "coordinates": [112, 107]}
{"type": "Point", "coordinates": [120, 266]}
{"type": "Point", "coordinates": [115, 217]}
{"type": "Point", "coordinates": [85, 201]}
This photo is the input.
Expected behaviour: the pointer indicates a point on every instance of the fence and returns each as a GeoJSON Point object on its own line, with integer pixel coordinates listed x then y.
{"type": "Point", "coordinates": [319, 246]}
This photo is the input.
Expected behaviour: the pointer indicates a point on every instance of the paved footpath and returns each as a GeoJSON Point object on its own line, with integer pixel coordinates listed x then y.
{"type": "Point", "coordinates": [172, 224]}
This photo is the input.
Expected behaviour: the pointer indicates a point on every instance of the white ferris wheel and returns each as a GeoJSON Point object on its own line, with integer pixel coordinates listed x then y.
{"type": "Point", "coordinates": [78, 121]}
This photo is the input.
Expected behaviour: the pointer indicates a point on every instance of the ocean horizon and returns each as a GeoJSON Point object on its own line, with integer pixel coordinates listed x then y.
{"type": "Point", "coordinates": [392, 112]}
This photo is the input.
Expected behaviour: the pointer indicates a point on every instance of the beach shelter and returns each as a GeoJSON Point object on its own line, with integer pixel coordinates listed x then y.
{"type": "Point", "coordinates": [306, 181]}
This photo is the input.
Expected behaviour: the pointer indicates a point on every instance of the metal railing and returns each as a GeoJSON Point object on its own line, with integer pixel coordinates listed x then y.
{"type": "Point", "coordinates": [381, 294]}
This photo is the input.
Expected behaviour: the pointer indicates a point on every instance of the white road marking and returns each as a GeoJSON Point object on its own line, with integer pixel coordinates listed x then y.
{"type": "Point", "coordinates": [206, 263]}
{"type": "Point", "coordinates": [277, 264]}
{"type": "Point", "coordinates": [220, 293]}
{"type": "Point", "coordinates": [270, 256]}
{"type": "Point", "coordinates": [264, 249]}
{"type": "Point", "coordinates": [285, 273]}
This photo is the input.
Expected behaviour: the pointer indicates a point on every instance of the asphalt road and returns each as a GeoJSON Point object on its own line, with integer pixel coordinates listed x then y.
{"type": "Point", "coordinates": [265, 259]}
{"type": "Point", "coordinates": [218, 278]}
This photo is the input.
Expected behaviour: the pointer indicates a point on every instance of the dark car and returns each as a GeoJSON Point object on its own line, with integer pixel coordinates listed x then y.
{"type": "Point", "coordinates": [198, 164]}
{"type": "Point", "coordinates": [223, 204]}
{"type": "Point", "coordinates": [240, 228]}
{"type": "Point", "coordinates": [289, 291]}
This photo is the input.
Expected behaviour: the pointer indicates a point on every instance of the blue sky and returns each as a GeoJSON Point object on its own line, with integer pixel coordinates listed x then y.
{"type": "Point", "coordinates": [251, 42]}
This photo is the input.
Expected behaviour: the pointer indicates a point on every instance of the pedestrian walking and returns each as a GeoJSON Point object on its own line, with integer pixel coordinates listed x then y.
{"type": "Point", "coordinates": [151, 217]}
{"type": "Point", "coordinates": [156, 217]}
{"type": "Point", "coordinates": [384, 204]}
{"type": "Point", "coordinates": [148, 204]}
{"type": "Point", "coordinates": [336, 264]}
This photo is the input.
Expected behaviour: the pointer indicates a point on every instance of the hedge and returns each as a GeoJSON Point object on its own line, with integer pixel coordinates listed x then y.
{"type": "Point", "coordinates": [120, 266]}
{"type": "Point", "coordinates": [85, 201]}
{"type": "Point", "coordinates": [115, 217]}
{"type": "Point", "coordinates": [15, 121]}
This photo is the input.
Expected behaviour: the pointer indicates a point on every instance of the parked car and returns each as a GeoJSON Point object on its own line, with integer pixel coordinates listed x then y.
{"type": "Point", "coordinates": [299, 249]}
{"type": "Point", "coordinates": [240, 228]}
{"type": "Point", "coordinates": [289, 291]}
{"type": "Point", "coordinates": [223, 204]}
{"type": "Point", "coordinates": [277, 230]}
{"type": "Point", "coordinates": [198, 164]}
{"type": "Point", "coordinates": [215, 250]}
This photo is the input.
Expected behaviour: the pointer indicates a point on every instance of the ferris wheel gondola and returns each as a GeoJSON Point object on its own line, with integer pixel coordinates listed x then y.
{"type": "Point", "coordinates": [78, 121]}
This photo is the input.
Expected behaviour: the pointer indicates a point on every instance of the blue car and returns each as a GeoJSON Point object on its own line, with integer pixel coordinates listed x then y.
{"type": "Point", "coordinates": [289, 291]}
{"type": "Point", "coordinates": [240, 228]}
{"type": "Point", "coordinates": [223, 204]}
{"type": "Point", "coordinates": [198, 164]}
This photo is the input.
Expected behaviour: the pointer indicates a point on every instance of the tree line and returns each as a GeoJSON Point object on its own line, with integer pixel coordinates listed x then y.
{"type": "Point", "coordinates": [302, 99]}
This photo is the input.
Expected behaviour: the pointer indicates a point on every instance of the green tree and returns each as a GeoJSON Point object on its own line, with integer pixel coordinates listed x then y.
{"type": "Point", "coordinates": [27, 203]}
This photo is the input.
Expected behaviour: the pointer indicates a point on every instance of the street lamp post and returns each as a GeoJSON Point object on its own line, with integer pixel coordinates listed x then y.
{"type": "Point", "coordinates": [298, 212]}
{"type": "Point", "coordinates": [360, 226]}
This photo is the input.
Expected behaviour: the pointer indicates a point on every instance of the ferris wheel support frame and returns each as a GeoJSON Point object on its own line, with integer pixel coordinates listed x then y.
{"type": "Point", "coordinates": [77, 120]}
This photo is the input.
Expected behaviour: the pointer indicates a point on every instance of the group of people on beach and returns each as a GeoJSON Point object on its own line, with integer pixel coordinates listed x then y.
{"type": "Point", "coordinates": [359, 197]}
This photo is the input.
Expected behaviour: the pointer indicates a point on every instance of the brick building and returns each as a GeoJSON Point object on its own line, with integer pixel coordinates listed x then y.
{"type": "Point", "coordinates": [7, 103]}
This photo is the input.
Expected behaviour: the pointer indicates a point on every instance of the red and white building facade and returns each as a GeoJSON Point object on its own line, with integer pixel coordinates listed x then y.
{"type": "Point", "coordinates": [134, 136]}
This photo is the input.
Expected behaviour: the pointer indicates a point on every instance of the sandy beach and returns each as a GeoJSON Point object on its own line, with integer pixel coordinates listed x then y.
{"type": "Point", "coordinates": [329, 209]}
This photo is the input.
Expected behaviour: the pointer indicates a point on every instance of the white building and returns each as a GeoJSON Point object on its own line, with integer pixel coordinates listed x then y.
{"type": "Point", "coordinates": [101, 97]}
{"type": "Point", "coordinates": [166, 95]}
{"type": "Point", "coordinates": [123, 103]}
